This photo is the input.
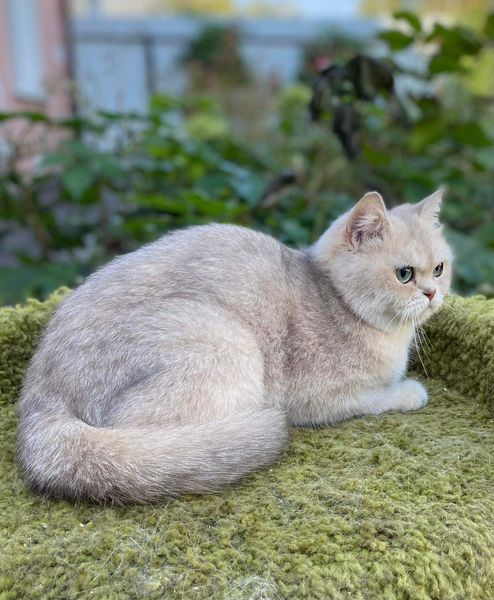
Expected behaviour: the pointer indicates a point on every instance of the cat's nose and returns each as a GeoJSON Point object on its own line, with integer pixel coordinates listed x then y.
{"type": "Point", "coordinates": [430, 293]}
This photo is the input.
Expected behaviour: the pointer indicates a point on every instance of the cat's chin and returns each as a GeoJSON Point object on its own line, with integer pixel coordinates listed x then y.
{"type": "Point", "coordinates": [429, 310]}
{"type": "Point", "coordinates": [418, 311]}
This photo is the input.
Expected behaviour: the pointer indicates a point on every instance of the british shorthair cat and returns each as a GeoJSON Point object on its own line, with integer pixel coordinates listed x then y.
{"type": "Point", "coordinates": [181, 366]}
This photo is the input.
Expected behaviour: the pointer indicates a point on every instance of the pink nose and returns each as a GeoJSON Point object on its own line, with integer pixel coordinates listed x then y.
{"type": "Point", "coordinates": [430, 294]}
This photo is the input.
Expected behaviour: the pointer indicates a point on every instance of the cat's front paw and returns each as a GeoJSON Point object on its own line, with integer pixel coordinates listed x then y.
{"type": "Point", "coordinates": [412, 395]}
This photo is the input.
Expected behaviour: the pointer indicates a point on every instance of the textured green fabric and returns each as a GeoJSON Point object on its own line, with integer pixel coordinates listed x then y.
{"type": "Point", "coordinates": [396, 506]}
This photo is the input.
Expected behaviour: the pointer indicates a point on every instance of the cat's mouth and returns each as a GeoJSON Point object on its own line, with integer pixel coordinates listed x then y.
{"type": "Point", "coordinates": [419, 308]}
{"type": "Point", "coordinates": [435, 304]}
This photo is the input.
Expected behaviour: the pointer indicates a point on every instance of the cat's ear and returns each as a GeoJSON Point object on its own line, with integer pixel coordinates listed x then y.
{"type": "Point", "coordinates": [368, 220]}
{"type": "Point", "coordinates": [430, 207]}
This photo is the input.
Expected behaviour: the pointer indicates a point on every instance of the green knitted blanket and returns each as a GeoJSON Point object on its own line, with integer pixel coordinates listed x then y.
{"type": "Point", "coordinates": [396, 506]}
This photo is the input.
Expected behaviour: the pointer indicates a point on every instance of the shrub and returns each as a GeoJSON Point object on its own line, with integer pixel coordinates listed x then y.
{"type": "Point", "coordinates": [115, 182]}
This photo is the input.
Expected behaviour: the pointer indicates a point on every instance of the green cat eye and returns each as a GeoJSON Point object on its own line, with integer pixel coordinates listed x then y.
{"type": "Point", "coordinates": [404, 274]}
{"type": "Point", "coordinates": [438, 270]}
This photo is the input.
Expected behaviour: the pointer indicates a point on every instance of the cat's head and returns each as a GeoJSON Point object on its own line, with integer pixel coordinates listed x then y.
{"type": "Point", "coordinates": [390, 266]}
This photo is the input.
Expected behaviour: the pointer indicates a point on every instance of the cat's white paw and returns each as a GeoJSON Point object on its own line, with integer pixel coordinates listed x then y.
{"type": "Point", "coordinates": [412, 395]}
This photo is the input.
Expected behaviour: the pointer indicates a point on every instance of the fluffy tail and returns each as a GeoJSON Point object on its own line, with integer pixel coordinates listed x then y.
{"type": "Point", "coordinates": [66, 458]}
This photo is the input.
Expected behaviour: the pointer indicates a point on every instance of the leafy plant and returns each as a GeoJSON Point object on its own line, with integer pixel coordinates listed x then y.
{"type": "Point", "coordinates": [103, 185]}
{"type": "Point", "coordinates": [123, 182]}
{"type": "Point", "coordinates": [324, 50]}
{"type": "Point", "coordinates": [213, 56]}
{"type": "Point", "coordinates": [409, 125]}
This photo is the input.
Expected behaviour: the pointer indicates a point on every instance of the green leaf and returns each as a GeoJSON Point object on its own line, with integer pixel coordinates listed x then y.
{"type": "Point", "coordinates": [79, 124]}
{"type": "Point", "coordinates": [485, 235]}
{"type": "Point", "coordinates": [295, 232]}
{"type": "Point", "coordinates": [55, 158]}
{"type": "Point", "coordinates": [213, 184]}
{"type": "Point", "coordinates": [158, 202]}
{"type": "Point", "coordinates": [346, 126]}
{"type": "Point", "coordinates": [489, 26]}
{"type": "Point", "coordinates": [249, 188]}
{"type": "Point", "coordinates": [375, 157]}
{"type": "Point", "coordinates": [22, 281]}
{"type": "Point", "coordinates": [205, 206]}
{"type": "Point", "coordinates": [472, 134]}
{"type": "Point", "coordinates": [34, 117]}
{"type": "Point", "coordinates": [143, 227]}
{"type": "Point", "coordinates": [426, 133]}
{"type": "Point", "coordinates": [396, 40]}
{"type": "Point", "coordinates": [77, 181]}
{"type": "Point", "coordinates": [456, 41]}
{"type": "Point", "coordinates": [369, 76]}
{"type": "Point", "coordinates": [474, 264]}
{"type": "Point", "coordinates": [410, 17]}
{"type": "Point", "coordinates": [444, 64]}
{"type": "Point", "coordinates": [468, 40]}
{"type": "Point", "coordinates": [108, 166]}
{"type": "Point", "coordinates": [163, 103]}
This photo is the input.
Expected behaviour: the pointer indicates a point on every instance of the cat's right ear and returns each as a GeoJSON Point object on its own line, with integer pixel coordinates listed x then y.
{"type": "Point", "coordinates": [368, 220]}
{"type": "Point", "coordinates": [430, 207]}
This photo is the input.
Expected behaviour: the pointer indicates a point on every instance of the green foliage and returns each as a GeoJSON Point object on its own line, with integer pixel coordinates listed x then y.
{"type": "Point", "coordinates": [406, 137]}
{"type": "Point", "coordinates": [122, 183]}
{"type": "Point", "coordinates": [38, 280]}
{"type": "Point", "coordinates": [213, 56]}
{"type": "Point", "coordinates": [113, 182]}
{"type": "Point", "coordinates": [324, 50]}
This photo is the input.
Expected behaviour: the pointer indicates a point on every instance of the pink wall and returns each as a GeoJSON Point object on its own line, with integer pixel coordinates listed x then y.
{"type": "Point", "coordinates": [54, 58]}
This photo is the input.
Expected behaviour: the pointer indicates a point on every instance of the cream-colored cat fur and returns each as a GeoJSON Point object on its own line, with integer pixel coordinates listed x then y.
{"type": "Point", "coordinates": [180, 367]}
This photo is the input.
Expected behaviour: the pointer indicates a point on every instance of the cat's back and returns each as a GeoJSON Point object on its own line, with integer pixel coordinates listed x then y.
{"type": "Point", "coordinates": [242, 269]}
{"type": "Point", "coordinates": [212, 258]}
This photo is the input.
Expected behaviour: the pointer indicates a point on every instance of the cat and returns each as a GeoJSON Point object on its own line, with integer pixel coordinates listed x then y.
{"type": "Point", "coordinates": [180, 367]}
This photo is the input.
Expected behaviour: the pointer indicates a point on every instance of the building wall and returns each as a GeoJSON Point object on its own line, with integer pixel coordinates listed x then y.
{"type": "Point", "coordinates": [52, 57]}
{"type": "Point", "coordinates": [120, 63]}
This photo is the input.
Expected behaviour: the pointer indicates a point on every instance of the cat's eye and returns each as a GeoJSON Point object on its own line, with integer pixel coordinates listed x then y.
{"type": "Point", "coordinates": [438, 270]}
{"type": "Point", "coordinates": [404, 274]}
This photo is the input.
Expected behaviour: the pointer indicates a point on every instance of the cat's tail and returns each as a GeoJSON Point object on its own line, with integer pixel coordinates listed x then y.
{"type": "Point", "coordinates": [67, 458]}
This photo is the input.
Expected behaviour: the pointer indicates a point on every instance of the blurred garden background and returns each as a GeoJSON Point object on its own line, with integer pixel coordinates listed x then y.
{"type": "Point", "coordinates": [121, 120]}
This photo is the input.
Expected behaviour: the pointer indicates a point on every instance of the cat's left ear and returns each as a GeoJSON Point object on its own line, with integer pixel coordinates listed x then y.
{"type": "Point", "coordinates": [368, 220]}
{"type": "Point", "coordinates": [430, 207]}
